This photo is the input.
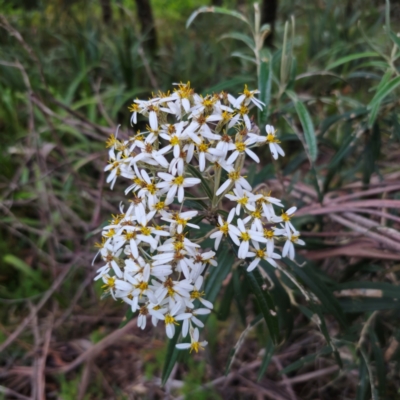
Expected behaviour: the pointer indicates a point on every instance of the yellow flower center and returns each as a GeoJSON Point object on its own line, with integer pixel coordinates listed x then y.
{"type": "Point", "coordinates": [196, 347]}
{"type": "Point", "coordinates": [294, 238]}
{"type": "Point", "coordinates": [151, 187]}
{"type": "Point", "coordinates": [226, 116]}
{"type": "Point", "coordinates": [260, 253]}
{"type": "Point", "coordinates": [159, 206]}
{"type": "Point", "coordinates": [256, 214]}
{"type": "Point", "coordinates": [178, 246]}
{"type": "Point", "coordinates": [247, 92]}
{"type": "Point", "coordinates": [224, 228]}
{"type": "Point", "coordinates": [208, 102]}
{"type": "Point", "coordinates": [243, 201]}
{"type": "Point", "coordinates": [178, 180]}
{"type": "Point", "coordinates": [245, 236]}
{"type": "Point", "coordinates": [269, 234]}
{"type": "Point", "coordinates": [130, 235]}
{"type": "Point", "coordinates": [203, 147]}
{"type": "Point", "coordinates": [234, 175]}
{"type": "Point", "coordinates": [243, 110]}
{"type": "Point", "coordinates": [110, 233]}
{"type": "Point", "coordinates": [142, 286]}
{"type": "Point", "coordinates": [145, 230]}
{"type": "Point", "coordinates": [110, 283]}
{"type": "Point", "coordinates": [285, 217]}
{"type": "Point", "coordinates": [111, 141]}
{"type": "Point", "coordinates": [240, 146]}
{"type": "Point", "coordinates": [174, 140]}
{"type": "Point", "coordinates": [272, 138]}
{"type": "Point", "coordinates": [196, 294]}
{"type": "Point", "coordinates": [169, 319]}
{"type": "Point", "coordinates": [133, 107]}
{"type": "Point", "coordinates": [181, 221]}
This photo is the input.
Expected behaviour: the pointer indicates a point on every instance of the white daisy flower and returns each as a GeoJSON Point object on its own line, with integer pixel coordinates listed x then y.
{"type": "Point", "coordinates": [195, 344]}
{"type": "Point", "coordinates": [172, 185]}
{"type": "Point", "coordinates": [288, 248]}
{"type": "Point", "coordinates": [262, 254]}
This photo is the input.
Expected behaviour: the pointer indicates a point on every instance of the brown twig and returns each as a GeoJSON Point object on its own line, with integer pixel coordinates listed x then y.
{"type": "Point", "coordinates": [91, 353]}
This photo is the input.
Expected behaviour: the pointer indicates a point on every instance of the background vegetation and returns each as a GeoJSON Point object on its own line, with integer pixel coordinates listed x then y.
{"type": "Point", "coordinates": [68, 71]}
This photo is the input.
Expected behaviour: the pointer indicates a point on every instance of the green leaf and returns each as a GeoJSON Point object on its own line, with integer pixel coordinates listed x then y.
{"type": "Point", "coordinates": [24, 268]}
{"type": "Point", "coordinates": [361, 305]}
{"type": "Point", "coordinates": [318, 287]}
{"type": "Point", "coordinates": [396, 126]}
{"type": "Point", "coordinates": [371, 152]}
{"type": "Point", "coordinates": [269, 352]}
{"type": "Point", "coordinates": [343, 151]}
{"type": "Point", "coordinates": [380, 366]}
{"type": "Point", "coordinates": [362, 381]}
{"type": "Point", "coordinates": [204, 183]}
{"type": "Point", "coordinates": [383, 90]}
{"type": "Point", "coordinates": [395, 39]}
{"type": "Point", "coordinates": [172, 355]}
{"type": "Point", "coordinates": [265, 303]}
{"type": "Point", "coordinates": [305, 360]}
{"type": "Point", "coordinates": [281, 300]}
{"type": "Point", "coordinates": [264, 86]}
{"type": "Point", "coordinates": [226, 302]}
{"type": "Point", "coordinates": [218, 274]}
{"type": "Point", "coordinates": [218, 10]}
{"type": "Point", "coordinates": [240, 342]}
{"type": "Point", "coordinates": [239, 295]}
{"type": "Point", "coordinates": [239, 54]}
{"type": "Point", "coordinates": [239, 36]}
{"type": "Point", "coordinates": [352, 57]}
{"type": "Point", "coordinates": [308, 129]}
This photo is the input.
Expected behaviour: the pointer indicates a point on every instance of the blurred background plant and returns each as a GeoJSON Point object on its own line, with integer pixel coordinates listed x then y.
{"type": "Point", "coordinates": [330, 77]}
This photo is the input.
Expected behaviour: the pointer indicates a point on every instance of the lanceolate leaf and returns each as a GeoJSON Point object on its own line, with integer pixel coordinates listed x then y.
{"type": "Point", "coordinates": [308, 129]}
{"type": "Point", "coordinates": [269, 352]}
{"type": "Point", "coordinates": [265, 303]}
{"type": "Point", "coordinates": [318, 287]}
{"type": "Point", "coordinates": [243, 56]}
{"type": "Point", "coordinates": [171, 356]}
{"type": "Point", "coordinates": [395, 39]}
{"type": "Point", "coordinates": [218, 10]}
{"type": "Point", "coordinates": [239, 36]}
{"type": "Point", "coordinates": [352, 57]}
{"type": "Point", "coordinates": [217, 274]}
{"type": "Point", "coordinates": [264, 86]}
{"type": "Point", "coordinates": [384, 89]}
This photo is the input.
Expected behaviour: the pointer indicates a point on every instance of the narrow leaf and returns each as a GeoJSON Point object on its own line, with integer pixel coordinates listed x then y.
{"type": "Point", "coordinates": [352, 57]}
{"type": "Point", "coordinates": [239, 36]}
{"type": "Point", "coordinates": [383, 90]}
{"type": "Point", "coordinates": [172, 355]}
{"type": "Point", "coordinates": [244, 57]}
{"type": "Point", "coordinates": [308, 129]}
{"type": "Point", "coordinates": [269, 352]}
{"type": "Point", "coordinates": [218, 10]}
{"type": "Point", "coordinates": [264, 86]}
{"type": "Point", "coordinates": [265, 303]}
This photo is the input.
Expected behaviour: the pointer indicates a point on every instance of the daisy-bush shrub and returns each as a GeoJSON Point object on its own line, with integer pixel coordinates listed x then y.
{"type": "Point", "coordinates": [192, 152]}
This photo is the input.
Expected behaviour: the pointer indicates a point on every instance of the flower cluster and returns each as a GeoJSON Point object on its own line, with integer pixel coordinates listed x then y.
{"type": "Point", "coordinates": [152, 258]}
